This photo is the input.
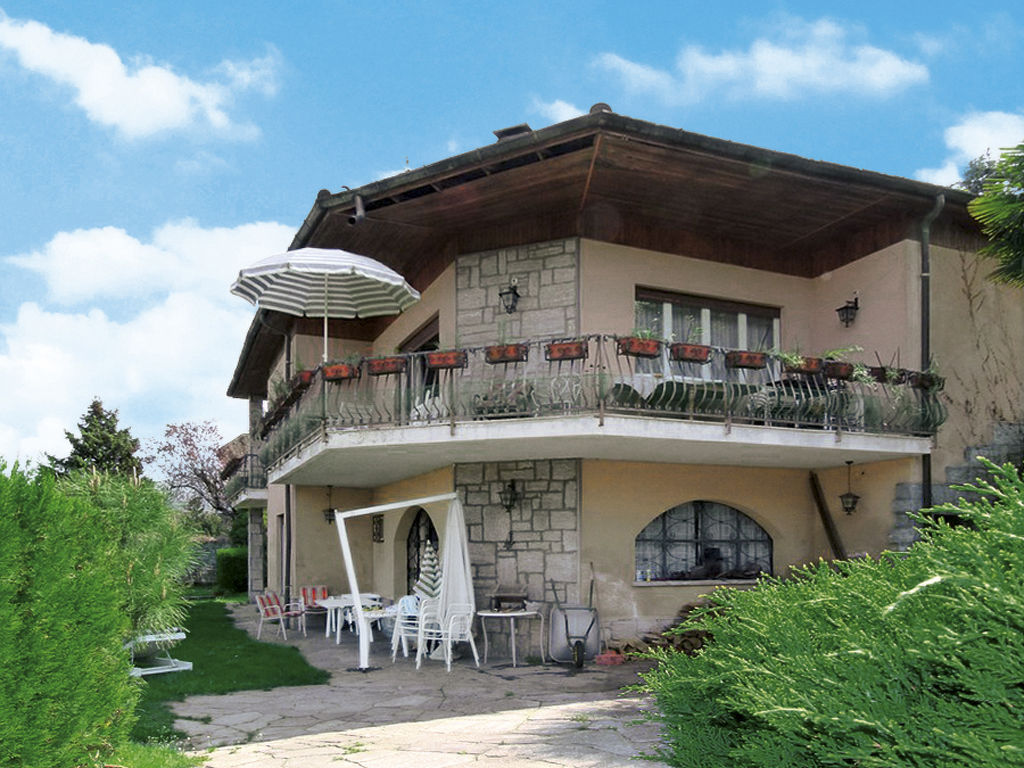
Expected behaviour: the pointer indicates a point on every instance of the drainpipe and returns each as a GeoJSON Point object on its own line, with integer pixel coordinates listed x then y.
{"type": "Point", "coordinates": [926, 336]}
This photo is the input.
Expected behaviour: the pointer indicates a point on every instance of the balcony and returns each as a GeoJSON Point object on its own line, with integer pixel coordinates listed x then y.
{"type": "Point", "coordinates": [380, 420]}
{"type": "Point", "coordinates": [246, 482]}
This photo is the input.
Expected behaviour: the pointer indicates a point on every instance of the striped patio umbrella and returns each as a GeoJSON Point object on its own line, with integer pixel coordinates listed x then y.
{"type": "Point", "coordinates": [324, 282]}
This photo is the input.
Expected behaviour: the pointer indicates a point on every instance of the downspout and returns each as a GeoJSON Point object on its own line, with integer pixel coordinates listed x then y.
{"type": "Point", "coordinates": [926, 336]}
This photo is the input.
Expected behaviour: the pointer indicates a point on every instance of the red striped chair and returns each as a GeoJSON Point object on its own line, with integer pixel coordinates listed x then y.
{"type": "Point", "coordinates": [271, 609]}
{"type": "Point", "coordinates": [311, 597]}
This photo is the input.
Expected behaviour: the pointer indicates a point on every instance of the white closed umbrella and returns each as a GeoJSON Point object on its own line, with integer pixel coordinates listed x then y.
{"type": "Point", "coordinates": [327, 282]}
{"type": "Point", "coordinates": [456, 571]}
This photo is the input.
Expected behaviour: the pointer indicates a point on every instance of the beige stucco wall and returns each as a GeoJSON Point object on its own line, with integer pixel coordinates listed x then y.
{"type": "Point", "coordinates": [884, 282]}
{"type": "Point", "coordinates": [438, 299]}
{"type": "Point", "coordinates": [977, 341]}
{"type": "Point", "coordinates": [621, 498]}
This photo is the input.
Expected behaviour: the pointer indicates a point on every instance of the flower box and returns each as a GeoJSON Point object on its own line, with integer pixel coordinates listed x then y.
{"type": "Point", "coordinates": [930, 382]}
{"type": "Point", "coordinates": [451, 358]}
{"type": "Point", "coordinates": [341, 371]}
{"type": "Point", "coordinates": [745, 359]}
{"type": "Point", "coordinates": [382, 366]}
{"type": "Point", "coordinates": [634, 346]}
{"type": "Point", "coordinates": [886, 375]}
{"type": "Point", "coordinates": [689, 353]}
{"type": "Point", "coordinates": [302, 379]}
{"type": "Point", "coordinates": [836, 369]}
{"type": "Point", "coordinates": [506, 353]}
{"type": "Point", "coordinates": [809, 366]}
{"type": "Point", "coordinates": [566, 350]}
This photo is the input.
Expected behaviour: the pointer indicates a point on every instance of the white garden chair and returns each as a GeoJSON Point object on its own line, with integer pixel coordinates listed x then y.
{"type": "Point", "coordinates": [407, 625]}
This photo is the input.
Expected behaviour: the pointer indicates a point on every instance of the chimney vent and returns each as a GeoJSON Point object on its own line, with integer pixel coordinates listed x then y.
{"type": "Point", "coordinates": [512, 131]}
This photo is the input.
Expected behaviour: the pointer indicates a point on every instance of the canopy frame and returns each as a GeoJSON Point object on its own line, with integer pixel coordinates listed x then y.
{"type": "Point", "coordinates": [350, 569]}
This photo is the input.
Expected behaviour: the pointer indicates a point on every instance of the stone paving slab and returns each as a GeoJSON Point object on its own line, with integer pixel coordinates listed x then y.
{"type": "Point", "coordinates": [537, 716]}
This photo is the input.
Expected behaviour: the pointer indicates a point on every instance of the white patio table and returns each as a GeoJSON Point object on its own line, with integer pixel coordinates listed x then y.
{"type": "Point", "coordinates": [511, 616]}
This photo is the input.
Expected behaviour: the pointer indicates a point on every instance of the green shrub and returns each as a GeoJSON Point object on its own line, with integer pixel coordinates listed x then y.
{"type": "Point", "coordinates": [913, 659]}
{"type": "Point", "coordinates": [233, 569]}
{"type": "Point", "coordinates": [82, 568]}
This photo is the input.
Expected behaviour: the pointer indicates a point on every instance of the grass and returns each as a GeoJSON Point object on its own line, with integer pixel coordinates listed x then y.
{"type": "Point", "coordinates": [225, 659]}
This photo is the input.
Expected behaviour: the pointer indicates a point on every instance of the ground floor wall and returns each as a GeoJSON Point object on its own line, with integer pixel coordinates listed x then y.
{"type": "Point", "coordinates": [575, 519]}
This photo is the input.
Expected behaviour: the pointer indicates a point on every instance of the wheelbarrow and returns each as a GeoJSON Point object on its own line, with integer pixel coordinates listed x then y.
{"type": "Point", "coordinates": [575, 633]}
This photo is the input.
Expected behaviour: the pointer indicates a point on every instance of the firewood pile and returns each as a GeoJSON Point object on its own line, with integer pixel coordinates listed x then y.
{"type": "Point", "coordinates": [688, 642]}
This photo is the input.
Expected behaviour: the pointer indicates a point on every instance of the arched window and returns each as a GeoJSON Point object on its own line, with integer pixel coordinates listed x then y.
{"type": "Point", "coordinates": [702, 540]}
{"type": "Point", "coordinates": [420, 533]}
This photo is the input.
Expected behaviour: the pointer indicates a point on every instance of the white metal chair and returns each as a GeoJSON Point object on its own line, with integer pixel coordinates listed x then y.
{"type": "Point", "coordinates": [459, 630]}
{"type": "Point", "coordinates": [407, 625]}
{"type": "Point", "coordinates": [429, 630]}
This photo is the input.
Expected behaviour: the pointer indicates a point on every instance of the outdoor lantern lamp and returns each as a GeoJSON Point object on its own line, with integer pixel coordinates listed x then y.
{"type": "Point", "coordinates": [329, 512]}
{"type": "Point", "coordinates": [509, 496]}
{"type": "Point", "coordinates": [510, 296]}
{"type": "Point", "coordinates": [849, 499]}
{"type": "Point", "coordinates": [848, 311]}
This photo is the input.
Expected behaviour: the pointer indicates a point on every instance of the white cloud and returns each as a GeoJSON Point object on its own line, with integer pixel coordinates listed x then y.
{"type": "Point", "coordinates": [797, 60]}
{"type": "Point", "coordinates": [556, 111]}
{"type": "Point", "coordinates": [107, 263]}
{"type": "Point", "coordinates": [142, 100]}
{"type": "Point", "coordinates": [170, 361]}
{"type": "Point", "coordinates": [977, 133]}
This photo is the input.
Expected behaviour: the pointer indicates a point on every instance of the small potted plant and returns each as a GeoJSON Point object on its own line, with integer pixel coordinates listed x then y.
{"type": "Point", "coordinates": [928, 380]}
{"type": "Point", "coordinates": [794, 362]}
{"type": "Point", "coordinates": [575, 349]}
{"type": "Point", "coordinates": [447, 359]}
{"type": "Point", "coordinates": [742, 358]}
{"type": "Point", "coordinates": [382, 366]}
{"type": "Point", "coordinates": [836, 365]}
{"type": "Point", "coordinates": [690, 351]}
{"type": "Point", "coordinates": [506, 353]}
{"type": "Point", "coordinates": [344, 370]}
{"type": "Point", "coordinates": [641, 343]}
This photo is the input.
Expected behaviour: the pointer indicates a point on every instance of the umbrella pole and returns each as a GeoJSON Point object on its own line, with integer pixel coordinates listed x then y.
{"type": "Point", "coordinates": [325, 319]}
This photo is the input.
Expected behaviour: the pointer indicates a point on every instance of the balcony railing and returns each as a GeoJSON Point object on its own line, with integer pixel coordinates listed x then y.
{"type": "Point", "coordinates": [422, 389]}
{"type": "Point", "coordinates": [250, 474]}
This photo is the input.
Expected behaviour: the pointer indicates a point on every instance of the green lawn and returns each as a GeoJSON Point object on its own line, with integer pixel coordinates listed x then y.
{"type": "Point", "coordinates": [224, 659]}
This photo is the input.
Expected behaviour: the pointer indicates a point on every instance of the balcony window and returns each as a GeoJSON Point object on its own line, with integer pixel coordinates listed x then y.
{"type": "Point", "coordinates": [730, 325]}
{"type": "Point", "coordinates": [702, 540]}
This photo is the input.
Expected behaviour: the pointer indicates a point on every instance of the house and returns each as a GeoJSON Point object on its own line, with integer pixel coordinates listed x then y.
{"type": "Point", "coordinates": [656, 476]}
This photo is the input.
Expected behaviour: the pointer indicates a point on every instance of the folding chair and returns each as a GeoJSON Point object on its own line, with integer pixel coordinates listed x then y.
{"type": "Point", "coordinates": [271, 609]}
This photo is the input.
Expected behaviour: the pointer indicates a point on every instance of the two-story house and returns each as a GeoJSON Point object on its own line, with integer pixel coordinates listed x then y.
{"type": "Point", "coordinates": [661, 470]}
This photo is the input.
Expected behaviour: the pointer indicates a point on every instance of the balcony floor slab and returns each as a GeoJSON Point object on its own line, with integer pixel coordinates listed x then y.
{"type": "Point", "coordinates": [370, 457]}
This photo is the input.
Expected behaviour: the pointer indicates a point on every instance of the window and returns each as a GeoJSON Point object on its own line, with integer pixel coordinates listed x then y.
{"type": "Point", "coordinates": [702, 540]}
{"type": "Point", "coordinates": [699, 320]}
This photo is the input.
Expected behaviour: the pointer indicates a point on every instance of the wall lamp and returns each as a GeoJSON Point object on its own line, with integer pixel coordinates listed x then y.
{"type": "Point", "coordinates": [510, 296]}
{"type": "Point", "coordinates": [510, 496]}
{"type": "Point", "coordinates": [849, 499]}
{"type": "Point", "coordinates": [848, 312]}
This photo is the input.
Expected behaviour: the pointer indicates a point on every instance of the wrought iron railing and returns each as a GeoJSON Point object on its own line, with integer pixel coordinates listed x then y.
{"type": "Point", "coordinates": [411, 389]}
{"type": "Point", "coordinates": [250, 473]}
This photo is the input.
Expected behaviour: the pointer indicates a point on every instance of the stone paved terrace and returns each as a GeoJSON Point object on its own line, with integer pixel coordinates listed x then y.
{"type": "Point", "coordinates": [532, 716]}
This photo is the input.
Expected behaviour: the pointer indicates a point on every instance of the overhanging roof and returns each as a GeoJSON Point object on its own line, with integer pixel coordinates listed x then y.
{"type": "Point", "coordinates": [612, 178]}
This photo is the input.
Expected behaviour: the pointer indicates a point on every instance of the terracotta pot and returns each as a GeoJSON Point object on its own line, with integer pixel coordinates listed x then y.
{"type": "Point", "coordinates": [835, 369]}
{"type": "Point", "coordinates": [506, 353]}
{"type": "Point", "coordinates": [885, 375]}
{"type": "Point", "coordinates": [689, 353]}
{"type": "Point", "coordinates": [566, 350]}
{"type": "Point", "coordinates": [302, 379]}
{"type": "Point", "coordinates": [809, 366]}
{"type": "Point", "coordinates": [637, 347]}
{"type": "Point", "coordinates": [744, 359]}
{"type": "Point", "coordinates": [451, 358]}
{"type": "Point", "coordinates": [341, 371]}
{"type": "Point", "coordinates": [381, 366]}
{"type": "Point", "coordinates": [927, 381]}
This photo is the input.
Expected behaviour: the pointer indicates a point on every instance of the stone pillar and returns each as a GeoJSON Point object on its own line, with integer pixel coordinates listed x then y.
{"type": "Point", "coordinates": [257, 542]}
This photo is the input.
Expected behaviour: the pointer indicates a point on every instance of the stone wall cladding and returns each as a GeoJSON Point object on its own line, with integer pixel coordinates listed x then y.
{"type": "Point", "coordinates": [1007, 445]}
{"type": "Point", "coordinates": [548, 284]}
{"type": "Point", "coordinates": [540, 553]}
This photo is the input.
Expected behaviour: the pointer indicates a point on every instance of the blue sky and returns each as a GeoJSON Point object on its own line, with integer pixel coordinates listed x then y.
{"type": "Point", "coordinates": [150, 150]}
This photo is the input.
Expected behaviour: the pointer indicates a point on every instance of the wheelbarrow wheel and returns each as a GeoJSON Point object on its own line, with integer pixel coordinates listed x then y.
{"type": "Point", "coordinates": [578, 653]}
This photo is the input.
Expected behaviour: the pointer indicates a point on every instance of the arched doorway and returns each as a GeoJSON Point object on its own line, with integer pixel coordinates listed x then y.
{"type": "Point", "coordinates": [420, 532]}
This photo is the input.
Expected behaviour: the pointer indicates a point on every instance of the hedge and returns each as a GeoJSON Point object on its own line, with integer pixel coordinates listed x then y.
{"type": "Point", "coordinates": [911, 659]}
{"type": "Point", "coordinates": [233, 569]}
{"type": "Point", "coordinates": [84, 565]}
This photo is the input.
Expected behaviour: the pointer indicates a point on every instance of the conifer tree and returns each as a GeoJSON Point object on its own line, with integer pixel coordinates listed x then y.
{"type": "Point", "coordinates": [100, 445]}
